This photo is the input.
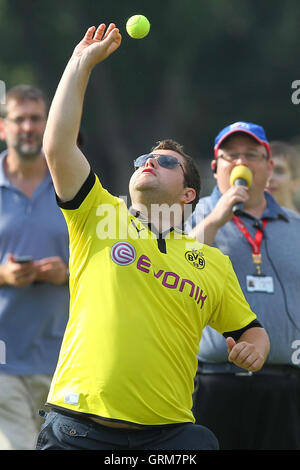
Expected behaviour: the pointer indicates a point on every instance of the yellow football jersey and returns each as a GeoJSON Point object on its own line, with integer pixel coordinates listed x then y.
{"type": "Point", "coordinates": [138, 306]}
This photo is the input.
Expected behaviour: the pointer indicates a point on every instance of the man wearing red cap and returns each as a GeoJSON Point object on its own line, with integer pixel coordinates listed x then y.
{"type": "Point", "coordinates": [246, 410]}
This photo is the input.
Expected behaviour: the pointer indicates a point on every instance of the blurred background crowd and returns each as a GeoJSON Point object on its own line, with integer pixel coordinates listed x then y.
{"type": "Point", "coordinates": [204, 64]}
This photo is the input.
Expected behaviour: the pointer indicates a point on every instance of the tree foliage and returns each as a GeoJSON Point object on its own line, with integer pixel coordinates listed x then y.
{"type": "Point", "coordinates": [203, 65]}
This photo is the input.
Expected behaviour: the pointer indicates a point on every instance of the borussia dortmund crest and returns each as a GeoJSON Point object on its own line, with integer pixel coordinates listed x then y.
{"type": "Point", "coordinates": [195, 258]}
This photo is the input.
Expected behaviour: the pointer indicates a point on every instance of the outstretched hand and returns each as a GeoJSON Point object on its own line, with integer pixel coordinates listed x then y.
{"type": "Point", "coordinates": [98, 44]}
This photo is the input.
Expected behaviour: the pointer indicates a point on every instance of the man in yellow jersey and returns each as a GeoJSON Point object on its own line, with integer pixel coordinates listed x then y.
{"type": "Point", "coordinates": [141, 291]}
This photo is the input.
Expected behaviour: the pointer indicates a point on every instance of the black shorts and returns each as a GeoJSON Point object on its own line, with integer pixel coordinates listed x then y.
{"type": "Point", "coordinates": [67, 432]}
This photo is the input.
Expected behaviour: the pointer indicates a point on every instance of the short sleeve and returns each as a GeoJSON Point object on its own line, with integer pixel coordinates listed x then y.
{"type": "Point", "coordinates": [232, 311]}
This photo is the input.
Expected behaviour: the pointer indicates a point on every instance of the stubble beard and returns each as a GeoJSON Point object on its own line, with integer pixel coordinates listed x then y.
{"type": "Point", "coordinates": [28, 151]}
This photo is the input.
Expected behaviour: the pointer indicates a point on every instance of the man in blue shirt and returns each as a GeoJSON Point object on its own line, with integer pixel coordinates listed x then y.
{"type": "Point", "coordinates": [34, 295]}
{"type": "Point", "coordinates": [245, 410]}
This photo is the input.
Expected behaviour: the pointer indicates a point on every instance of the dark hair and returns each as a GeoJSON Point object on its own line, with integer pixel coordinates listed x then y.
{"type": "Point", "coordinates": [191, 173]}
{"type": "Point", "coordinates": [22, 93]}
{"type": "Point", "coordinates": [289, 152]}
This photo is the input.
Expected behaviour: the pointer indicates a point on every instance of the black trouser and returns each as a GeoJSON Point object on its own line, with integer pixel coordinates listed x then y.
{"type": "Point", "coordinates": [257, 412]}
{"type": "Point", "coordinates": [63, 432]}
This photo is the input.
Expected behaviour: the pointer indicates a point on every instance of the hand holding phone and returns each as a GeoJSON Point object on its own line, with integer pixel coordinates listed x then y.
{"type": "Point", "coordinates": [23, 259]}
{"type": "Point", "coordinates": [18, 271]}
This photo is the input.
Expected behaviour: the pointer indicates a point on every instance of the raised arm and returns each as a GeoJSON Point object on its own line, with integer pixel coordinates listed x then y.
{"type": "Point", "coordinates": [68, 166]}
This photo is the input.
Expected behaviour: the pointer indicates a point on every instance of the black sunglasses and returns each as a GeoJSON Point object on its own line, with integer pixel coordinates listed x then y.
{"type": "Point", "coordinates": [166, 161]}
